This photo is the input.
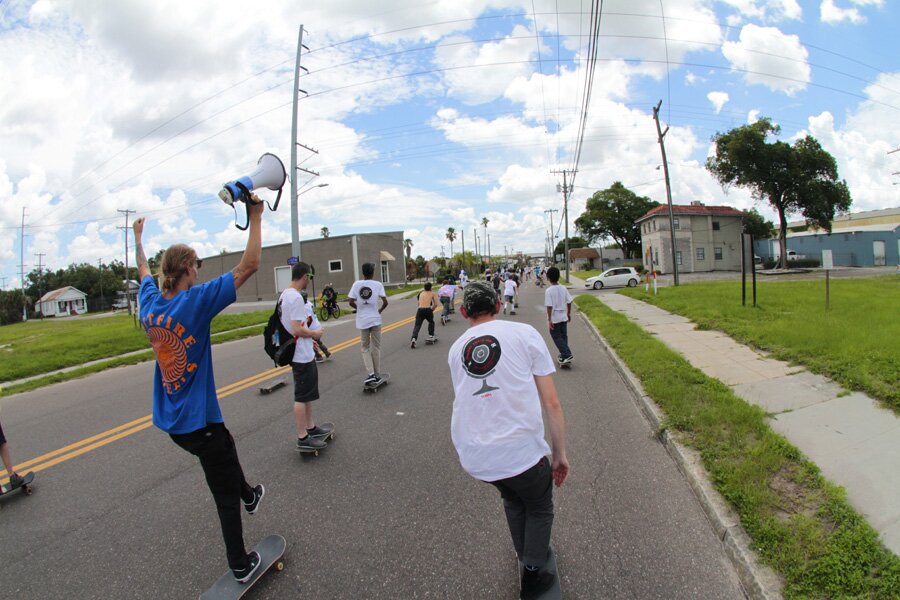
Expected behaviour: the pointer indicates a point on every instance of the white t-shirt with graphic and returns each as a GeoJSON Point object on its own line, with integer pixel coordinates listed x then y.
{"type": "Point", "coordinates": [509, 288]}
{"type": "Point", "coordinates": [497, 424]}
{"type": "Point", "coordinates": [293, 308]}
{"type": "Point", "coordinates": [559, 298]}
{"type": "Point", "coordinates": [367, 293]}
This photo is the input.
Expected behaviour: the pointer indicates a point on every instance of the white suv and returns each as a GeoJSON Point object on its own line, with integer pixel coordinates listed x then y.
{"type": "Point", "coordinates": [617, 277]}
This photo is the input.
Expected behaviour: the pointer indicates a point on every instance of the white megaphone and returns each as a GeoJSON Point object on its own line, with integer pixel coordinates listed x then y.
{"type": "Point", "coordinates": [270, 173]}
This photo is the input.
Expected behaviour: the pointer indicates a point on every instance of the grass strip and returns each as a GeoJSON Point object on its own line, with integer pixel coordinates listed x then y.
{"type": "Point", "coordinates": [801, 524]}
{"type": "Point", "coordinates": [855, 343]}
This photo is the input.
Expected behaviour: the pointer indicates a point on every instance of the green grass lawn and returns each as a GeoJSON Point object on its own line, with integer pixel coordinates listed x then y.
{"type": "Point", "coordinates": [800, 524]}
{"type": "Point", "coordinates": [856, 342]}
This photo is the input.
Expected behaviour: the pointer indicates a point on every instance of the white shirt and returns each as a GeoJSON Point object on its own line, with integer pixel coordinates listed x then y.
{"type": "Point", "coordinates": [293, 308]}
{"type": "Point", "coordinates": [509, 288]}
{"type": "Point", "coordinates": [497, 424]}
{"type": "Point", "coordinates": [559, 298]}
{"type": "Point", "coordinates": [367, 293]}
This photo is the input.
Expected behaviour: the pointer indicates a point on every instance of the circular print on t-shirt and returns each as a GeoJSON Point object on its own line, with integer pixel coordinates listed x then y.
{"type": "Point", "coordinates": [480, 357]}
{"type": "Point", "coordinates": [365, 293]}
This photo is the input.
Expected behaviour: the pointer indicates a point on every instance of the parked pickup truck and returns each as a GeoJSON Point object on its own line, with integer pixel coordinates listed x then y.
{"type": "Point", "coordinates": [792, 255]}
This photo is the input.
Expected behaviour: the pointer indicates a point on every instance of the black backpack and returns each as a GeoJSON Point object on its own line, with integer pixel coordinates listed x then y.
{"type": "Point", "coordinates": [278, 342]}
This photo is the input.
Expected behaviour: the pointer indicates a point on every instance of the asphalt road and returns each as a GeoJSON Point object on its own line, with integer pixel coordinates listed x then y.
{"type": "Point", "coordinates": [385, 512]}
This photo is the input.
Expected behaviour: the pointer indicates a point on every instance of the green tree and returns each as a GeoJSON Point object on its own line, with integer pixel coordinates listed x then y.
{"type": "Point", "coordinates": [468, 261]}
{"type": "Point", "coordinates": [407, 245]}
{"type": "Point", "coordinates": [800, 178]}
{"type": "Point", "coordinates": [611, 213]}
{"type": "Point", "coordinates": [420, 266]}
{"type": "Point", "coordinates": [11, 306]}
{"type": "Point", "coordinates": [574, 242]}
{"type": "Point", "coordinates": [451, 235]}
{"type": "Point", "coordinates": [757, 226]}
{"type": "Point", "coordinates": [325, 232]}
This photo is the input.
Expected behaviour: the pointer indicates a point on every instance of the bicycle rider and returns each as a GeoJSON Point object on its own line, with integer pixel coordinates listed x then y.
{"type": "Point", "coordinates": [329, 298]}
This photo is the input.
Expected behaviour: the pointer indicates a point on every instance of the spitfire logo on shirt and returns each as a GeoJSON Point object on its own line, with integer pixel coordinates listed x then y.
{"type": "Point", "coordinates": [480, 357]}
{"type": "Point", "coordinates": [170, 346]}
{"type": "Point", "coordinates": [365, 293]}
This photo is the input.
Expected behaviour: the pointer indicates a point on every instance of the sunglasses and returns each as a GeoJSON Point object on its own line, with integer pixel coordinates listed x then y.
{"type": "Point", "coordinates": [199, 262]}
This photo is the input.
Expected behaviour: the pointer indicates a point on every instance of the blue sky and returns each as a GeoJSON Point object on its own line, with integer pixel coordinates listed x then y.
{"type": "Point", "coordinates": [425, 115]}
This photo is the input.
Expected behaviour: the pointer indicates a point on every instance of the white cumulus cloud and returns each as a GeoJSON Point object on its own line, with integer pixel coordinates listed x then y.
{"type": "Point", "coordinates": [718, 99]}
{"type": "Point", "coordinates": [771, 58]}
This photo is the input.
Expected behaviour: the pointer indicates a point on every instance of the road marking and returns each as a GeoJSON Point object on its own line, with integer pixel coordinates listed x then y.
{"type": "Point", "coordinates": [45, 461]}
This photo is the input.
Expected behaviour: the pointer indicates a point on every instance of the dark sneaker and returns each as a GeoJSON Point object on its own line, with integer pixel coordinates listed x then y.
{"type": "Point", "coordinates": [370, 379]}
{"type": "Point", "coordinates": [310, 443]}
{"type": "Point", "coordinates": [258, 493]}
{"type": "Point", "coordinates": [567, 360]}
{"type": "Point", "coordinates": [443, 320]}
{"type": "Point", "coordinates": [320, 359]}
{"type": "Point", "coordinates": [15, 480]}
{"type": "Point", "coordinates": [431, 339]}
{"type": "Point", "coordinates": [243, 575]}
{"type": "Point", "coordinates": [327, 353]}
{"type": "Point", "coordinates": [412, 343]}
{"type": "Point", "coordinates": [535, 583]}
{"type": "Point", "coordinates": [321, 431]}
{"type": "Point", "coordinates": [377, 381]}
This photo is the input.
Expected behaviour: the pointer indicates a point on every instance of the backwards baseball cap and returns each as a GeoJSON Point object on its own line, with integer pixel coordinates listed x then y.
{"type": "Point", "coordinates": [479, 297]}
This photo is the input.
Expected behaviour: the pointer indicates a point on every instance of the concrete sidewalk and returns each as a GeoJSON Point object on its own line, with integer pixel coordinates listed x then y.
{"type": "Point", "coordinates": [853, 440]}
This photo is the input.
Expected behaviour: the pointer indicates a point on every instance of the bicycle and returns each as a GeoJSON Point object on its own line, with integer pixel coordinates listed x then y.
{"type": "Point", "coordinates": [327, 311]}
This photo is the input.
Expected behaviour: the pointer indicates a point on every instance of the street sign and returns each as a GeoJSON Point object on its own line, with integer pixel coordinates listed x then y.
{"type": "Point", "coordinates": [827, 260]}
{"type": "Point", "coordinates": [292, 260]}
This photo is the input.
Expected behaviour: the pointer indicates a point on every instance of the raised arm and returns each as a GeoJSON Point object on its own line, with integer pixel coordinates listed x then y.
{"type": "Point", "coordinates": [253, 252]}
{"type": "Point", "coordinates": [141, 258]}
{"type": "Point", "coordinates": [557, 425]}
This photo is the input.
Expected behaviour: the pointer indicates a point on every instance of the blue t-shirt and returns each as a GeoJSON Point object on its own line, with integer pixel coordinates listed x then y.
{"type": "Point", "coordinates": [184, 388]}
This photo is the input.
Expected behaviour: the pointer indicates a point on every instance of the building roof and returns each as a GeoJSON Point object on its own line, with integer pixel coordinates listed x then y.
{"type": "Point", "coordinates": [886, 227]}
{"type": "Point", "coordinates": [589, 253]}
{"type": "Point", "coordinates": [695, 210]}
{"type": "Point", "coordinates": [53, 295]}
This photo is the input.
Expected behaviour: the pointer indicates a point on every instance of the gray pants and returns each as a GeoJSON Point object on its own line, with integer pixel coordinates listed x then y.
{"type": "Point", "coordinates": [370, 341]}
{"type": "Point", "coordinates": [528, 501]}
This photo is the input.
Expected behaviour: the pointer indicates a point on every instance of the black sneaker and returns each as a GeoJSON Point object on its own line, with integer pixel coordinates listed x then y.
{"type": "Point", "coordinates": [310, 443]}
{"type": "Point", "coordinates": [370, 379]}
{"type": "Point", "coordinates": [15, 480]}
{"type": "Point", "coordinates": [412, 343]}
{"type": "Point", "coordinates": [321, 431]}
{"type": "Point", "coordinates": [258, 493]}
{"type": "Point", "coordinates": [535, 583]}
{"type": "Point", "coordinates": [243, 575]}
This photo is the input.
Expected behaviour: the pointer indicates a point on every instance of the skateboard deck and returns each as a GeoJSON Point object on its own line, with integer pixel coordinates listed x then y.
{"type": "Point", "coordinates": [330, 435]}
{"type": "Point", "coordinates": [371, 389]}
{"type": "Point", "coordinates": [430, 342]}
{"type": "Point", "coordinates": [554, 592]}
{"type": "Point", "coordinates": [271, 552]}
{"type": "Point", "coordinates": [270, 387]}
{"type": "Point", "coordinates": [565, 365]}
{"type": "Point", "coordinates": [25, 485]}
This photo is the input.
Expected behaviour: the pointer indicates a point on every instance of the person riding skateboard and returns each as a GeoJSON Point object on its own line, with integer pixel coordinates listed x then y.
{"type": "Point", "coordinates": [297, 317]}
{"type": "Point", "coordinates": [445, 295]}
{"type": "Point", "coordinates": [185, 405]}
{"type": "Point", "coordinates": [502, 377]}
{"type": "Point", "coordinates": [14, 478]}
{"type": "Point", "coordinates": [364, 296]}
{"type": "Point", "coordinates": [559, 312]}
{"type": "Point", "coordinates": [427, 303]}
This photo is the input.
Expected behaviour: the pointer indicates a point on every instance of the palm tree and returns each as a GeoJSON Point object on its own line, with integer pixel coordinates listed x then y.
{"type": "Point", "coordinates": [484, 223]}
{"type": "Point", "coordinates": [325, 233]}
{"type": "Point", "coordinates": [451, 235]}
{"type": "Point", "coordinates": [408, 244]}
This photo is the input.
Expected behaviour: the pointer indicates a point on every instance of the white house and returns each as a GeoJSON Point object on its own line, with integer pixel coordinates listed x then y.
{"type": "Point", "coordinates": [63, 302]}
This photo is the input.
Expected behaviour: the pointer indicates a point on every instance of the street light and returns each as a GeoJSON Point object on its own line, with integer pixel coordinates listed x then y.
{"type": "Point", "coordinates": [295, 222]}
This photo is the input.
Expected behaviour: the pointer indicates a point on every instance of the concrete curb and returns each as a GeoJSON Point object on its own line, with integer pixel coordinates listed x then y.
{"type": "Point", "coordinates": [760, 582]}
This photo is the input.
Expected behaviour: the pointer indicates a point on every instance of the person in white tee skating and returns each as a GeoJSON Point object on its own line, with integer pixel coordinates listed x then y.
{"type": "Point", "coordinates": [502, 378]}
{"type": "Point", "coordinates": [364, 297]}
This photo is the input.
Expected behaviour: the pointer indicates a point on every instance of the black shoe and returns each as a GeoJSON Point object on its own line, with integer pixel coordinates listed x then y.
{"type": "Point", "coordinates": [15, 480]}
{"type": "Point", "coordinates": [320, 432]}
{"type": "Point", "coordinates": [258, 493]}
{"type": "Point", "coordinates": [412, 343]}
{"type": "Point", "coordinates": [535, 583]}
{"type": "Point", "coordinates": [370, 379]}
{"type": "Point", "coordinates": [243, 575]}
{"type": "Point", "coordinates": [310, 443]}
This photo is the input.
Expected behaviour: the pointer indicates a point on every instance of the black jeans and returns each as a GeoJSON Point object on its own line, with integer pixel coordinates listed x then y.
{"type": "Point", "coordinates": [528, 501]}
{"type": "Point", "coordinates": [214, 446]}
{"type": "Point", "coordinates": [424, 314]}
{"type": "Point", "coordinates": [560, 335]}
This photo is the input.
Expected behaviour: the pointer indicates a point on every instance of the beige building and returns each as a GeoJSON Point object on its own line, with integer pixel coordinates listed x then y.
{"type": "Point", "coordinates": [337, 260]}
{"type": "Point", "coordinates": [707, 238]}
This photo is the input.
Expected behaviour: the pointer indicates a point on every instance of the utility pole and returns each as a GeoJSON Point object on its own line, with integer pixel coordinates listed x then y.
{"type": "Point", "coordinates": [100, 266]}
{"type": "Point", "coordinates": [462, 236]}
{"type": "Point", "coordinates": [661, 134]}
{"type": "Point", "coordinates": [566, 188]}
{"type": "Point", "coordinates": [127, 212]}
{"type": "Point", "coordinates": [295, 209]}
{"type": "Point", "coordinates": [3, 285]}
{"type": "Point", "coordinates": [552, 245]}
{"type": "Point", "coordinates": [22, 269]}
{"type": "Point", "coordinates": [40, 257]}
{"type": "Point", "coordinates": [489, 247]}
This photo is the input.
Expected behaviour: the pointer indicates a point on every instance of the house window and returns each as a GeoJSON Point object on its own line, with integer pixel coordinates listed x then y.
{"type": "Point", "coordinates": [677, 225]}
{"type": "Point", "coordinates": [654, 224]}
{"type": "Point", "coordinates": [656, 257]}
{"type": "Point", "coordinates": [335, 266]}
{"type": "Point", "coordinates": [701, 254]}
{"type": "Point", "coordinates": [717, 252]}
{"type": "Point", "coordinates": [385, 273]}
{"type": "Point", "coordinates": [678, 256]}
{"type": "Point", "coordinates": [715, 225]}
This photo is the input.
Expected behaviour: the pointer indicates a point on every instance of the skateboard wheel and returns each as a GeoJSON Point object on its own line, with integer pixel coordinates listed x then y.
{"type": "Point", "coordinates": [279, 566]}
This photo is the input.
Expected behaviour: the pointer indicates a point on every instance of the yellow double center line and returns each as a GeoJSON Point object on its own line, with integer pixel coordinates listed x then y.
{"type": "Point", "coordinates": [45, 461]}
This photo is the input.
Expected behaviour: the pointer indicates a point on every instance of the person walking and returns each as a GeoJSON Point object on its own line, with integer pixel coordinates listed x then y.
{"type": "Point", "coordinates": [185, 405]}
{"type": "Point", "coordinates": [297, 317]}
{"type": "Point", "coordinates": [510, 288]}
{"type": "Point", "coordinates": [364, 296]}
{"type": "Point", "coordinates": [427, 304]}
{"type": "Point", "coordinates": [559, 312]}
{"type": "Point", "coordinates": [502, 377]}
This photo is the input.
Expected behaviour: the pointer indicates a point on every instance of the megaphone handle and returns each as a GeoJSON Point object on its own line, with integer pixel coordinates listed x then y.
{"type": "Point", "coordinates": [247, 224]}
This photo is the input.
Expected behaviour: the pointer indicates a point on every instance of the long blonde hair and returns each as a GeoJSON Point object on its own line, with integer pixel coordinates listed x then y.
{"type": "Point", "coordinates": [175, 262]}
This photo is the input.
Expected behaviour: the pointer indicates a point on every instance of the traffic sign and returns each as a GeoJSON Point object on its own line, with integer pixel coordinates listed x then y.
{"type": "Point", "coordinates": [292, 260]}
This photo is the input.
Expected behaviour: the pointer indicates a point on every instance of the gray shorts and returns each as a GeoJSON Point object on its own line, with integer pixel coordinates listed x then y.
{"type": "Point", "coordinates": [306, 381]}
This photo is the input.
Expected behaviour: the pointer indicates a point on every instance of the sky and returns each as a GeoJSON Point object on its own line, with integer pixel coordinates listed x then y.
{"type": "Point", "coordinates": [420, 115]}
